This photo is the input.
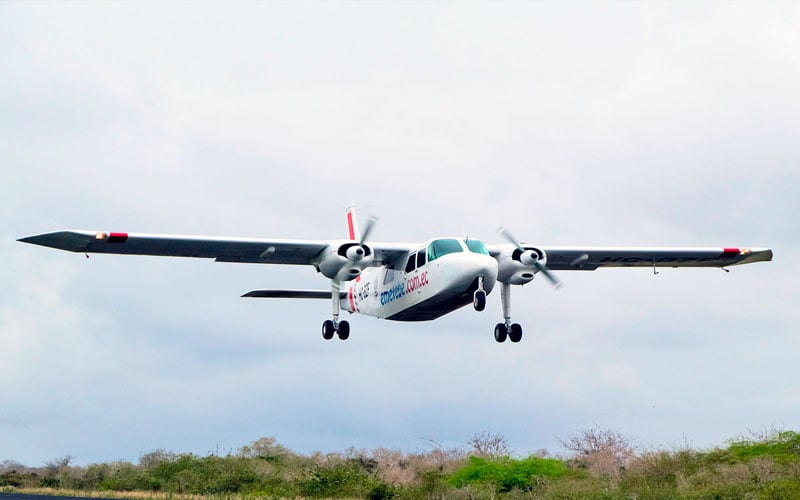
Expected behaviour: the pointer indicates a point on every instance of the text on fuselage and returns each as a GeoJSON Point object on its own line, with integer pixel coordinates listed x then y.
{"type": "Point", "coordinates": [404, 287]}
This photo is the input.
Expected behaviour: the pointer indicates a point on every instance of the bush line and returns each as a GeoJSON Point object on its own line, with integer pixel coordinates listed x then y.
{"type": "Point", "coordinates": [602, 464]}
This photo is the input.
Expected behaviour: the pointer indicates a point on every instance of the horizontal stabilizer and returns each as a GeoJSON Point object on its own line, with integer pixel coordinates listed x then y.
{"type": "Point", "coordinates": [292, 294]}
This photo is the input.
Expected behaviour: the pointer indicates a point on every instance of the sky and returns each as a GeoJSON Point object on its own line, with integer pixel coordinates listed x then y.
{"type": "Point", "coordinates": [579, 123]}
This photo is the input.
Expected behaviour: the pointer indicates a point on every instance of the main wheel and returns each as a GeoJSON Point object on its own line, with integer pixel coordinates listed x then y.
{"type": "Point", "coordinates": [344, 330]}
{"type": "Point", "coordinates": [479, 300]}
{"type": "Point", "coordinates": [328, 330]}
{"type": "Point", "coordinates": [515, 333]}
{"type": "Point", "coordinates": [500, 332]}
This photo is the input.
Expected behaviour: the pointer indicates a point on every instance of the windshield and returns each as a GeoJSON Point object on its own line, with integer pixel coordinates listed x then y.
{"type": "Point", "coordinates": [437, 248]}
{"type": "Point", "coordinates": [477, 246]}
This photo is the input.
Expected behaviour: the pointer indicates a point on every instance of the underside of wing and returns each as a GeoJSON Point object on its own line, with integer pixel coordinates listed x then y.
{"type": "Point", "coordinates": [590, 258]}
{"type": "Point", "coordinates": [386, 253]}
{"type": "Point", "coordinates": [222, 249]}
{"type": "Point", "coordinates": [292, 294]}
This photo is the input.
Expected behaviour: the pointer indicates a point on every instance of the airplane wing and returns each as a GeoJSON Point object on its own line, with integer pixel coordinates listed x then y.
{"type": "Point", "coordinates": [221, 249]}
{"type": "Point", "coordinates": [293, 294]}
{"type": "Point", "coordinates": [591, 258]}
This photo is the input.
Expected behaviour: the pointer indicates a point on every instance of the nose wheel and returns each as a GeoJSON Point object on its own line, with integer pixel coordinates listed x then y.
{"type": "Point", "coordinates": [479, 300]}
{"type": "Point", "coordinates": [479, 297]}
{"type": "Point", "coordinates": [341, 329]}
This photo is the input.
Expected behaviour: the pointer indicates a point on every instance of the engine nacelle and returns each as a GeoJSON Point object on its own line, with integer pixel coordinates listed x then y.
{"type": "Point", "coordinates": [517, 267]}
{"type": "Point", "coordinates": [345, 261]}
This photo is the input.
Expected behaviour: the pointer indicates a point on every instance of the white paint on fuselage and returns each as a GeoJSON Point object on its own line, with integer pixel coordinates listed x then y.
{"type": "Point", "coordinates": [388, 291]}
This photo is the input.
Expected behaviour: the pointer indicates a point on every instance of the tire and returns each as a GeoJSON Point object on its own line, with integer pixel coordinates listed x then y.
{"type": "Point", "coordinates": [344, 330]}
{"type": "Point", "coordinates": [515, 333]}
{"type": "Point", "coordinates": [327, 330]}
{"type": "Point", "coordinates": [500, 332]}
{"type": "Point", "coordinates": [479, 300]}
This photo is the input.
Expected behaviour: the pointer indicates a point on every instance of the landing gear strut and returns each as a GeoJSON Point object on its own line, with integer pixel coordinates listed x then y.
{"type": "Point", "coordinates": [512, 331]}
{"type": "Point", "coordinates": [334, 326]}
{"type": "Point", "coordinates": [479, 297]}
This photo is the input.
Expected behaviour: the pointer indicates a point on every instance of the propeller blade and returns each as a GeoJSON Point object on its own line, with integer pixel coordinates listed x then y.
{"type": "Point", "coordinates": [548, 274]}
{"type": "Point", "coordinates": [368, 227]}
{"type": "Point", "coordinates": [510, 237]}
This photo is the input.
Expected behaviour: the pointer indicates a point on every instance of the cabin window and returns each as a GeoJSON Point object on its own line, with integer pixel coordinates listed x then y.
{"type": "Point", "coordinates": [412, 262]}
{"type": "Point", "coordinates": [438, 248]}
{"type": "Point", "coordinates": [421, 258]}
{"type": "Point", "coordinates": [389, 276]}
{"type": "Point", "coordinates": [477, 246]}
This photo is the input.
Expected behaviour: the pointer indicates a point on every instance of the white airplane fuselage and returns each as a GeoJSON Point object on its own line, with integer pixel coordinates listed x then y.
{"type": "Point", "coordinates": [431, 289]}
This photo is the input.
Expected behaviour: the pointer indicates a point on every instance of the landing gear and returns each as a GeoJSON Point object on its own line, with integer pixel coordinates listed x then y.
{"type": "Point", "coordinates": [479, 297]}
{"type": "Point", "coordinates": [329, 329]}
{"type": "Point", "coordinates": [512, 331]}
{"type": "Point", "coordinates": [344, 330]}
{"type": "Point", "coordinates": [515, 333]}
{"type": "Point", "coordinates": [334, 326]}
{"type": "Point", "coordinates": [479, 300]}
{"type": "Point", "coordinates": [500, 332]}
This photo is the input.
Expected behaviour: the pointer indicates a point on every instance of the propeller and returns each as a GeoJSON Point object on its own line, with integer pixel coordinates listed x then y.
{"type": "Point", "coordinates": [354, 254]}
{"type": "Point", "coordinates": [357, 252]}
{"type": "Point", "coordinates": [530, 257]}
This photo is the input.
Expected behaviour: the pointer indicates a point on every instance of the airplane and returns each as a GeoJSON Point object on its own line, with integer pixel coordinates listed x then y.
{"type": "Point", "coordinates": [403, 281]}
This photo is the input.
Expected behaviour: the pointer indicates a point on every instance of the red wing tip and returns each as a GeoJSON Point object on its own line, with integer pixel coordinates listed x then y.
{"type": "Point", "coordinates": [117, 237]}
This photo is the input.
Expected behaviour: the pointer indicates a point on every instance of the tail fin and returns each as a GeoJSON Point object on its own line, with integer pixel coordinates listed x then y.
{"type": "Point", "coordinates": [352, 224]}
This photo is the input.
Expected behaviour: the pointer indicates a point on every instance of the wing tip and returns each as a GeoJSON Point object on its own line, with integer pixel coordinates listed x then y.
{"type": "Point", "coordinates": [757, 255]}
{"type": "Point", "coordinates": [73, 241]}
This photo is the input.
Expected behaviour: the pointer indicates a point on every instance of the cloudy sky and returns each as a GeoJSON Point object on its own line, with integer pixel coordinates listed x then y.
{"type": "Point", "coordinates": [573, 124]}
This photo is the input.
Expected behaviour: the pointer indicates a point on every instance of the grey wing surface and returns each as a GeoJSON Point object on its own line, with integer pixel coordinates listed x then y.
{"type": "Point", "coordinates": [591, 258]}
{"type": "Point", "coordinates": [221, 249]}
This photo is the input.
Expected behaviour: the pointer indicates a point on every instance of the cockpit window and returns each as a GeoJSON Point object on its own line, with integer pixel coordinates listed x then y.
{"type": "Point", "coordinates": [412, 262]}
{"type": "Point", "coordinates": [477, 246]}
{"type": "Point", "coordinates": [438, 248]}
{"type": "Point", "coordinates": [389, 276]}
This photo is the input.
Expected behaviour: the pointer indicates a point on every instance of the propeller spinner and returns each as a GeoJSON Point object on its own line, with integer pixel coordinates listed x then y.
{"type": "Point", "coordinates": [530, 257]}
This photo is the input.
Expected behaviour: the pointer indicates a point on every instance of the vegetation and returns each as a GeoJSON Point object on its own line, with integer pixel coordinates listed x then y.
{"type": "Point", "coordinates": [602, 464]}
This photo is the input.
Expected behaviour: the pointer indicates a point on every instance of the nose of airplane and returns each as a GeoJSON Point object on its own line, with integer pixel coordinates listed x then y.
{"type": "Point", "coordinates": [475, 265]}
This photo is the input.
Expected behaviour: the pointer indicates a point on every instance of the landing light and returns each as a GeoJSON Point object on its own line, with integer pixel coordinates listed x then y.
{"type": "Point", "coordinates": [100, 235]}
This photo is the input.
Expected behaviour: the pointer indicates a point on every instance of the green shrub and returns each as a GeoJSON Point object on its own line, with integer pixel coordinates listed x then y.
{"type": "Point", "coordinates": [50, 482]}
{"type": "Point", "coordinates": [782, 489]}
{"type": "Point", "coordinates": [11, 478]}
{"type": "Point", "coordinates": [338, 480]}
{"type": "Point", "coordinates": [506, 473]}
{"type": "Point", "coordinates": [382, 491]}
{"type": "Point", "coordinates": [782, 446]}
{"type": "Point", "coordinates": [123, 476]}
{"type": "Point", "coordinates": [430, 483]}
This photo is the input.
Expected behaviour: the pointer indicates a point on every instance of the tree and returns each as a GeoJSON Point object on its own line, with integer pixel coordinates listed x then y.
{"type": "Point", "coordinates": [267, 448]}
{"type": "Point", "coordinates": [489, 445]}
{"type": "Point", "coordinates": [601, 450]}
